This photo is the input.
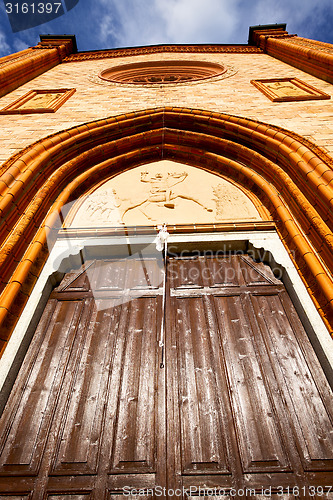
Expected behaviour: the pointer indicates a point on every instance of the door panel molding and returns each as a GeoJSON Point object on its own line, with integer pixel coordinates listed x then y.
{"type": "Point", "coordinates": [239, 373]}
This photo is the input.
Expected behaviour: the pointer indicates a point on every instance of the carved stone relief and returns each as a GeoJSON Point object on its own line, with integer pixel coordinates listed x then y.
{"type": "Point", "coordinates": [162, 192]}
{"type": "Point", "coordinates": [38, 101]}
{"type": "Point", "coordinates": [285, 89]}
{"type": "Point", "coordinates": [41, 100]}
{"type": "Point", "coordinates": [288, 89]}
{"type": "Point", "coordinates": [229, 203]}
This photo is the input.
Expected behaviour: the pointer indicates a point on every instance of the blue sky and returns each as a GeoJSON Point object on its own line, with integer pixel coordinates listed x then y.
{"type": "Point", "coordinates": [102, 24]}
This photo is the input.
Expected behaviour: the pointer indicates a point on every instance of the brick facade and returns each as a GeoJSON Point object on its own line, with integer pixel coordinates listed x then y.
{"type": "Point", "coordinates": [282, 150]}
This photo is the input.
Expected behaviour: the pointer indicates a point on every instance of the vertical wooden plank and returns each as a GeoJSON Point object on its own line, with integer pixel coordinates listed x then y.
{"type": "Point", "coordinates": [28, 414]}
{"type": "Point", "coordinates": [203, 448]}
{"type": "Point", "coordinates": [173, 432]}
{"type": "Point", "coordinates": [256, 419]}
{"type": "Point", "coordinates": [311, 417]}
{"type": "Point", "coordinates": [134, 445]}
{"type": "Point", "coordinates": [83, 409]}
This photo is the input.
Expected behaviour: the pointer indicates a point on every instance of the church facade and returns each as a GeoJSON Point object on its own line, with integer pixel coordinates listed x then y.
{"type": "Point", "coordinates": [166, 270]}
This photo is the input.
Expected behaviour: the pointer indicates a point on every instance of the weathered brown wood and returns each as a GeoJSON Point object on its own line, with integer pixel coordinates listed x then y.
{"type": "Point", "coordinates": [82, 422]}
{"type": "Point", "coordinates": [201, 412]}
{"type": "Point", "coordinates": [28, 415]}
{"type": "Point", "coordinates": [15, 497]}
{"type": "Point", "coordinates": [312, 422]}
{"type": "Point", "coordinates": [135, 435]}
{"type": "Point", "coordinates": [69, 497]}
{"type": "Point", "coordinates": [256, 419]}
{"type": "Point", "coordinates": [241, 403]}
{"type": "Point", "coordinates": [279, 399]}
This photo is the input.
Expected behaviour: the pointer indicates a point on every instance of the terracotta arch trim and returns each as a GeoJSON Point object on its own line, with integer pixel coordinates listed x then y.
{"type": "Point", "coordinates": [313, 174]}
{"type": "Point", "coordinates": [235, 122]}
{"type": "Point", "coordinates": [293, 196]}
{"type": "Point", "coordinates": [10, 197]}
{"type": "Point", "coordinates": [278, 166]}
{"type": "Point", "coordinates": [290, 154]}
{"type": "Point", "coordinates": [272, 130]}
{"type": "Point", "coordinates": [135, 155]}
{"type": "Point", "coordinates": [275, 199]}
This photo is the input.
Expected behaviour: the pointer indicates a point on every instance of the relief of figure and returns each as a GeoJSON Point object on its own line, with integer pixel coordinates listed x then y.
{"type": "Point", "coordinates": [104, 205]}
{"type": "Point", "coordinates": [160, 186]}
{"type": "Point", "coordinates": [161, 191]}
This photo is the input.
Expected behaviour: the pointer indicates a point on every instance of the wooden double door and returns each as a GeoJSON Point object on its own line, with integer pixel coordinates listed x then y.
{"type": "Point", "coordinates": [241, 407]}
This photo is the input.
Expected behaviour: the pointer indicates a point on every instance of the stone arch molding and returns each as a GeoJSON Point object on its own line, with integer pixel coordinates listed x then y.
{"type": "Point", "coordinates": [289, 176]}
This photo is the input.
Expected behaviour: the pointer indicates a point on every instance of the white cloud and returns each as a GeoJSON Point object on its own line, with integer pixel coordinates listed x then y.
{"type": "Point", "coordinates": [293, 12]}
{"type": "Point", "coordinates": [107, 28]}
{"type": "Point", "coordinates": [4, 46]}
{"type": "Point", "coordinates": [20, 45]}
{"type": "Point", "coordinates": [139, 22]}
{"type": "Point", "coordinates": [202, 21]}
{"type": "Point", "coordinates": [118, 23]}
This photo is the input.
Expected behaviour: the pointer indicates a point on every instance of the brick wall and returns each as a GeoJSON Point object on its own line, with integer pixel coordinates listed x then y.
{"type": "Point", "coordinates": [234, 95]}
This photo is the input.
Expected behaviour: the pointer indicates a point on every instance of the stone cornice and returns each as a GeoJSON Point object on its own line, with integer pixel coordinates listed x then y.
{"type": "Point", "coordinates": [157, 49]}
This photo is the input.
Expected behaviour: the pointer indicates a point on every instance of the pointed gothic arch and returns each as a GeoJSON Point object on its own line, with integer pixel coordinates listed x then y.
{"type": "Point", "coordinates": [290, 176]}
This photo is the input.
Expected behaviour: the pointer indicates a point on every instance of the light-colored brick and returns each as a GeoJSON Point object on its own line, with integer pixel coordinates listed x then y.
{"type": "Point", "coordinates": [234, 95]}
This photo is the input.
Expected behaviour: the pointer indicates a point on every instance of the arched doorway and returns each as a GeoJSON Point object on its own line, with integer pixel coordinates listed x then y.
{"type": "Point", "coordinates": [185, 459]}
{"type": "Point", "coordinates": [290, 175]}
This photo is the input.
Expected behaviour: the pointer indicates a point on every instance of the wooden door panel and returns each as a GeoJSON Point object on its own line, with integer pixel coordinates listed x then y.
{"type": "Point", "coordinates": [311, 414]}
{"type": "Point", "coordinates": [226, 272]}
{"type": "Point", "coordinates": [256, 419]}
{"type": "Point", "coordinates": [247, 401]}
{"type": "Point", "coordinates": [131, 497]}
{"type": "Point", "coordinates": [28, 414]}
{"type": "Point", "coordinates": [203, 444]}
{"type": "Point", "coordinates": [134, 442]}
{"type": "Point", "coordinates": [223, 272]}
{"type": "Point", "coordinates": [68, 496]}
{"type": "Point", "coordinates": [82, 410]}
{"type": "Point", "coordinates": [109, 275]}
{"type": "Point", "coordinates": [255, 273]}
{"type": "Point", "coordinates": [86, 399]}
{"type": "Point", "coordinates": [144, 273]}
{"type": "Point", "coordinates": [130, 273]}
{"type": "Point", "coordinates": [15, 497]}
{"type": "Point", "coordinates": [237, 337]}
{"type": "Point", "coordinates": [185, 273]}
{"type": "Point", "coordinates": [77, 280]}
